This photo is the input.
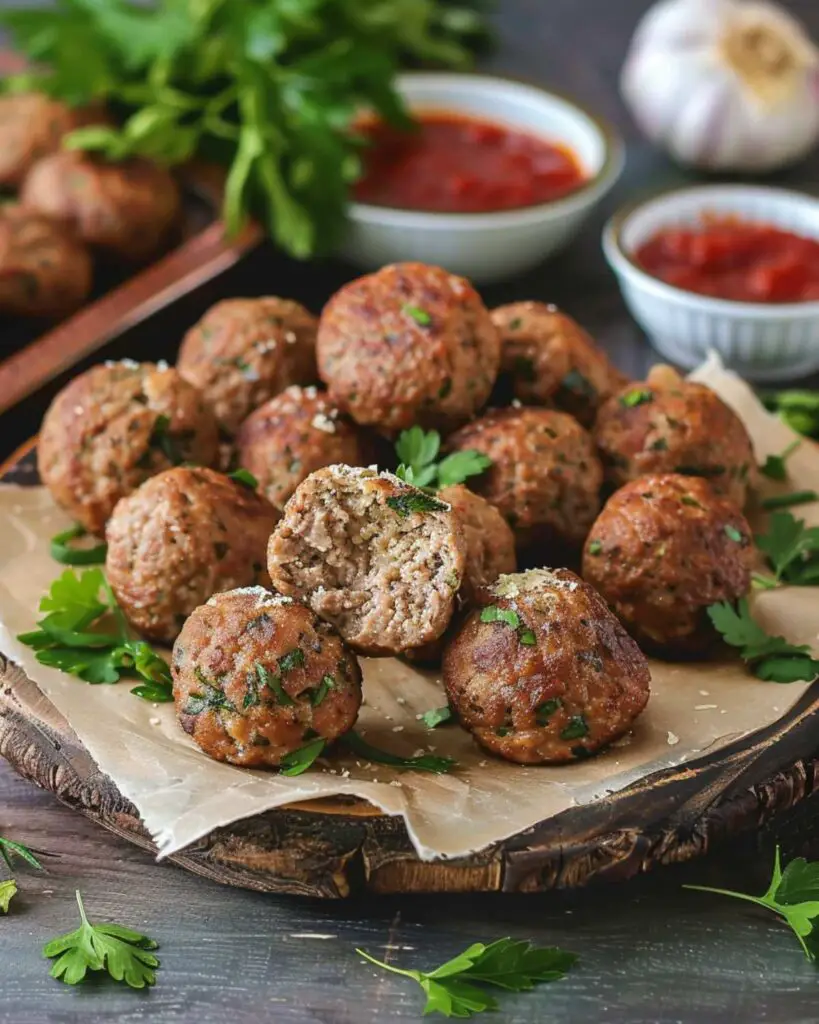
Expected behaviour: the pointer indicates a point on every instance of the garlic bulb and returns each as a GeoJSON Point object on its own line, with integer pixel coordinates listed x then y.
{"type": "Point", "coordinates": [729, 85]}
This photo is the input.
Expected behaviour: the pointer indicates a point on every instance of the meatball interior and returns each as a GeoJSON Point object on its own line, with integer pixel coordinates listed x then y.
{"type": "Point", "coordinates": [670, 425]}
{"type": "Point", "coordinates": [552, 360]}
{"type": "Point", "coordinates": [181, 537]}
{"type": "Point", "coordinates": [543, 672]}
{"type": "Point", "coordinates": [256, 676]}
{"type": "Point", "coordinates": [378, 559]}
{"type": "Point", "coordinates": [663, 549]}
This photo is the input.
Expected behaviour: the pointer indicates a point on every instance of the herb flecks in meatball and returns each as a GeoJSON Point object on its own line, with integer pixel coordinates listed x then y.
{"type": "Point", "coordinates": [410, 344]}
{"type": "Point", "coordinates": [543, 672]}
{"type": "Point", "coordinates": [380, 560]}
{"type": "Point", "coordinates": [183, 536]}
{"type": "Point", "coordinates": [663, 549]}
{"type": "Point", "coordinates": [257, 676]}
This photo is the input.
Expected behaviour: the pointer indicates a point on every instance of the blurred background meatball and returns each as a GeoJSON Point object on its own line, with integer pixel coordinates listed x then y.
{"type": "Point", "coordinates": [551, 360]}
{"type": "Point", "coordinates": [409, 344]}
{"type": "Point", "coordinates": [380, 560]}
{"type": "Point", "coordinates": [128, 209]}
{"type": "Point", "coordinates": [670, 425]}
{"type": "Point", "coordinates": [663, 549]}
{"type": "Point", "coordinates": [113, 427]}
{"type": "Point", "coordinates": [44, 270]}
{"type": "Point", "coordinates": [543, 672]}
{"type": "Point", "coordinates": [294, 434]}
{"type": "Point", "coordinates": [32, 126]}
{"type": "Point", "coordinates": [244, 351]}
{"type": "Point", "coordinates": [181, 537]}
{"type": "Point", "coordinates": [545, 476]}
{"type": "Point", "coordinates": [257, 676]}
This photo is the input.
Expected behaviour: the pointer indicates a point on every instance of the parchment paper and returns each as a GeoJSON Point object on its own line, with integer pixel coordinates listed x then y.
{"type": "Point", "coordinates": [181, 794]}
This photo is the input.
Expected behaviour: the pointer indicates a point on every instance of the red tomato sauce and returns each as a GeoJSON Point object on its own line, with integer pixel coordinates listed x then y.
{"type": "Point", "coordinates": [734, 259]}
{"type": "Point", "coordinates": [458, 164]}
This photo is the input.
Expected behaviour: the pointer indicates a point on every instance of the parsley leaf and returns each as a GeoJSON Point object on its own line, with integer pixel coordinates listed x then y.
{"type": "Point", "coordinates": [298, 761]}
{"type": "Point", "coordinates": [635, 397]}
{"type": "Point", "coordinates": [494, 614]}
{"type": "Point", "coordinates": [406, 504]}
{"type": "Point", "coordinates": [8, 890]}
{"type": "Point", "coordinates": [793, 894]}
{"type": "Point", "coordinates": [418, 452]}
{"type": "Point", "coordinates": [319, 693]}
{"type": "Point", "coordinates": [162, 439]}
{"type": "Point", "coordinates": [798, 408]}
{"type": "Point", "coordinates": [790, 547]}
{"type": "Point", "coordinates": [426, 763]}
{"type": "Point", "coordinates": [453, 989]}
{"type": "Point", "coordinates": [420, 316]}
{"type": "Point", "coordinates": [274, 682]}
{"type": "Point", "coordinates": [792, 498]}
{"type": "Point", "coordinates": [10, 849]}
{"type": "Point", "coordinates": [126, 955]}
{"type": "Point", "coordinates": [437, 716]}
{"type": "Point", "coordinates": [211, 698]}
{"type": "Point", "coordinates": [771, 658]}
{"type": "Point", "coordinates": [774, 466]}
{"type": "Point", "coordinates": [245, 478]}
{"type": "Point", "coordinates": [63, 551]}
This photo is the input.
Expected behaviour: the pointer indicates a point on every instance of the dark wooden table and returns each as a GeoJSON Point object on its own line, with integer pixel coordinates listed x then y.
{"type": "Point", "coordinates": [651, 953]}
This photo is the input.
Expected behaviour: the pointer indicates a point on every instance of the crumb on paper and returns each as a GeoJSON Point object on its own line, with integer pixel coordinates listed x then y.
{"type": "Point", "coordinates": [398, 728]}
{"type": "Point", "coordinates": [401, 700]}
{"type": "Point", "coordinates": [482, 764]}
{"type": "Point", "coordinates": [672, 739]}
{"type": "Point", "coordinates": [705, 693]}
{"type": "Point", "coordinates": [154, 720]}
{"type": "Point", "coordinates": [705, 707]}
{"type": "Point", "coordinates": [312, 935]}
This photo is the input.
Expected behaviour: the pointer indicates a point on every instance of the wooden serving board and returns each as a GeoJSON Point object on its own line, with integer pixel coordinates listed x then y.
{"type": "Point", "coordinates": [336, 847]}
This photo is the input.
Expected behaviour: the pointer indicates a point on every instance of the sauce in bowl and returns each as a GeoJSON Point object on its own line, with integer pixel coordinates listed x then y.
{"type": "Point", "coordinates": [734, 259]}
{"type": "Point", "coordinates": [453, 163]}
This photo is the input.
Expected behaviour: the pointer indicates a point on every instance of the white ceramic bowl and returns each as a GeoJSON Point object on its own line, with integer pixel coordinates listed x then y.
{"type": "Point", "coordinates": [489, 246]}
{"type": "Point", "coordinates": [761, 341]}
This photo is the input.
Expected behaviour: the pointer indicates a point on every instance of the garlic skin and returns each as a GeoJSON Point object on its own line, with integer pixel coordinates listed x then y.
{"type": "Point", "coordinates": [724, 85]}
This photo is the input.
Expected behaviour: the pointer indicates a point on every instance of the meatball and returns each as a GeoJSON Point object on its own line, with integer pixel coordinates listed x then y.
{"type": "Point", "coordinates": [256, 676]}
{"type": "Point", "coordinates": [377, 558]}
{"type": "Point", "coordinates": [663, 549]}
{"type": "Point", "coordinates": [409, 344]}
{"type": "Point", "coordinates": [128, 209]}
{"type": "Point", "coordinates": [671, 425]}
{"type": "Point", "coordinates": [114, 426]}
{"type": "Point", "coordinates": [291, 436]}
{"type": "Point", "coordinates": [44, 270]}
{"type": "Point", "coordinates": [545, 476]}
{"type": "Point", "coordinates": [244, 351]}
{"type": "Point", "coordinates": [551, 360]}
{"type": "Point", "coordinates": [181, 537]}
{"type": "Point", "coordinates": [543, 672]}
{"type": "Point", "coordinates": [32, 126]}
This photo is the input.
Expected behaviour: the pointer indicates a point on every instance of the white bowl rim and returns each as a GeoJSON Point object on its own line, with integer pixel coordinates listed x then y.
{"type": "Point", "coordinates": [613, 162]}
{"type": "Point", "coordinates": [622, 262]}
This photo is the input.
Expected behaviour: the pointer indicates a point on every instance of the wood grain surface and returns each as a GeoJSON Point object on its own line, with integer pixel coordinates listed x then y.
{"type": "Point", "coordinates": [650, 953]}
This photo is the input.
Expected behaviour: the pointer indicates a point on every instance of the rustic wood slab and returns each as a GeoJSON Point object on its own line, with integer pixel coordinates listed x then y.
{"type": "Point", "coordinates": [335, 847]}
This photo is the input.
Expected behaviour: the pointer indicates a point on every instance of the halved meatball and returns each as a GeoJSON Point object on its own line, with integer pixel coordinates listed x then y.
{"type": "Point", "coordinates": [128, 209]}
{"type": "Point", "coordinates": [44, 270]}
{"type": "Point", "coordinates": [663, 549]}
{"type": "Point", "coordinates": [670, 425]}
{"type": "Point", "coordinates": [256, 676]}
{"type": "Point", "coordinates": [409, 344]}
{"type": "Point", "coordinates": [244, 351]}
{"type": "Point", "coordinates": [378, 559]}
{"type": "Point", "coordinates": [543, 672]}
{"type": "Point", "coordinates": [293, 435]}
{"type": "Point", "coordinates": [545, 476]}
{"type": "Point", "coordinates": [551, 360]}
{"type": "Point", "coordinates": [32, 126]}
{"type": "Point", "coordinates": [114, 426]}
{"type": "Point", "coordinates": [181, 537]}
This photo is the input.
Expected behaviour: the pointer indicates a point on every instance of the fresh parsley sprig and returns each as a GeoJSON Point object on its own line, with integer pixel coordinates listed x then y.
{"type": "Point", "coordinates": [124, 954]}
{"type": "Point", "coordinates": [67, 553]}
{"type": "Point", "coordinates": [792, 549]}
{"type": "Point", "coordinates": [8, 890]}
{"type": "Point", "coordinates": [356, 743]}
{"type": "Point", "coordinates": [8, 851]}
{"type": "Point", "coordinates": [798, 408]}
{"type": "Point", "coordinates": [775, 466]}
{"type": "Point", "coordinates": [454, 989]}
{"type": "Point", "coordinates": [789, 500]}
{"type": "Point", "coordinates": [793, 894]}
{"type": "Point", "coordinates": [418, 452]}
{"type": "Point", "coordinates": [771, 658]}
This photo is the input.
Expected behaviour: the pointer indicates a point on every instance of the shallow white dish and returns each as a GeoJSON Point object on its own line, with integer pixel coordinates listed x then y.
{"type": "Point", "coordinates": [489, 246]}
{"type": "Point", "coordinates": [761, 341]}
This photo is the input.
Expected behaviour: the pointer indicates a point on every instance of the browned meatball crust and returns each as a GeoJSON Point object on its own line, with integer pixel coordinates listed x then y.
{"type": "Point", "coordinates": [44, 270]}
{"type": "Point", "coordinates": [256, 676]}
{"type": "Point", "coordinates": [378, 559]}
{"type": "Point", "coordinates": [181, 537]}
{"type": "Point", "coordinates": [244, 351]}
{"type": "Point", "coordinates": [543, 672]}
{"type": "Point", "coordinates": [409, 344]}
{"type": "Point", "coordinates": [293, 435]}
{"type": "Point", "coordinates": [545, 476]}
{"type": "Point", "coordinates": [551, 360]}
{"type": "Point", "coordinates": [670, 425]}
{"type": "Point", "coordinates": [128, 209]}
{"type": "Point", "coordinates": [663, 549]}
{"type": "Point", "coordinates": [114, 426]}
{"type": "Point", "coordinates": [32, 126]}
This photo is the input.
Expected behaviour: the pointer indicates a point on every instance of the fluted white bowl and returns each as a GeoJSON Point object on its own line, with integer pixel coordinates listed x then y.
{"type": "Point", "coordinates": [761, 341]}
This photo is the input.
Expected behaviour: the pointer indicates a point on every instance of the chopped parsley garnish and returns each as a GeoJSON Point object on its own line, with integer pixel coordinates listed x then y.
{"type": "Point", "coordinates": [774, 467]}
{"type": "Point", "coordinates": [576, 728]}
{"type": "Point", "coordinates": [420, 316]}
{"type": "Point", "coordinates": [292, 660]}
{"type": "Point", "coordinates": [595, 547]}
{"type": "Point", "coordinates": [437, 716]}
{"type": "Point", "coordinates": [319, 693]}
{"type": "Point", "coordinates": [527, 637]}
{"type": "Point", "coordinates": [545, 711]}
{"type": "Point", "coordinates": [212, 698]}
{"type": "Point", "coordinates": [492, 613]}
{"type": "Point", "coordinates": [771, 658]}
{"type": "Point", "coordinates": [426, 763]}
{"type": "Point", "coordinates": [245, 478]}
{"type": "Point", "coordinates": [732, 533]}
{"type": "Point", "coordinates": [635, 397]}
{"type": "Point", "coordinates": [162, 439]}
{"type": "Point", "coordinates": [704, 471]}
{"type": "Point", "coordinates": [660, 445]}
{"type": "Point", "coordinates": [63, 551]}
{"type": "Point", "coordinates": [788, 500]}
{"type": "Point", "coordinates": [418, 501]}
{"type": "Point", "coordinates": [524, 368]}
{"type": "Point", "coordinates": [516, 323]}
{"type": "Point", "coordinates": [792, 549]}
{"type": "Point", "coordinates": [688, 499]}
{"type": "Point", "coordinates": [298, 761]}
{"type": "Point", "coordinates": [575, 381]}
{"type": "Point", "coordinates": [798, 408]}
{"type": "Point", "coordinates": [418, 451]}
{"type": "Point", "coordinates": [274, 682]}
